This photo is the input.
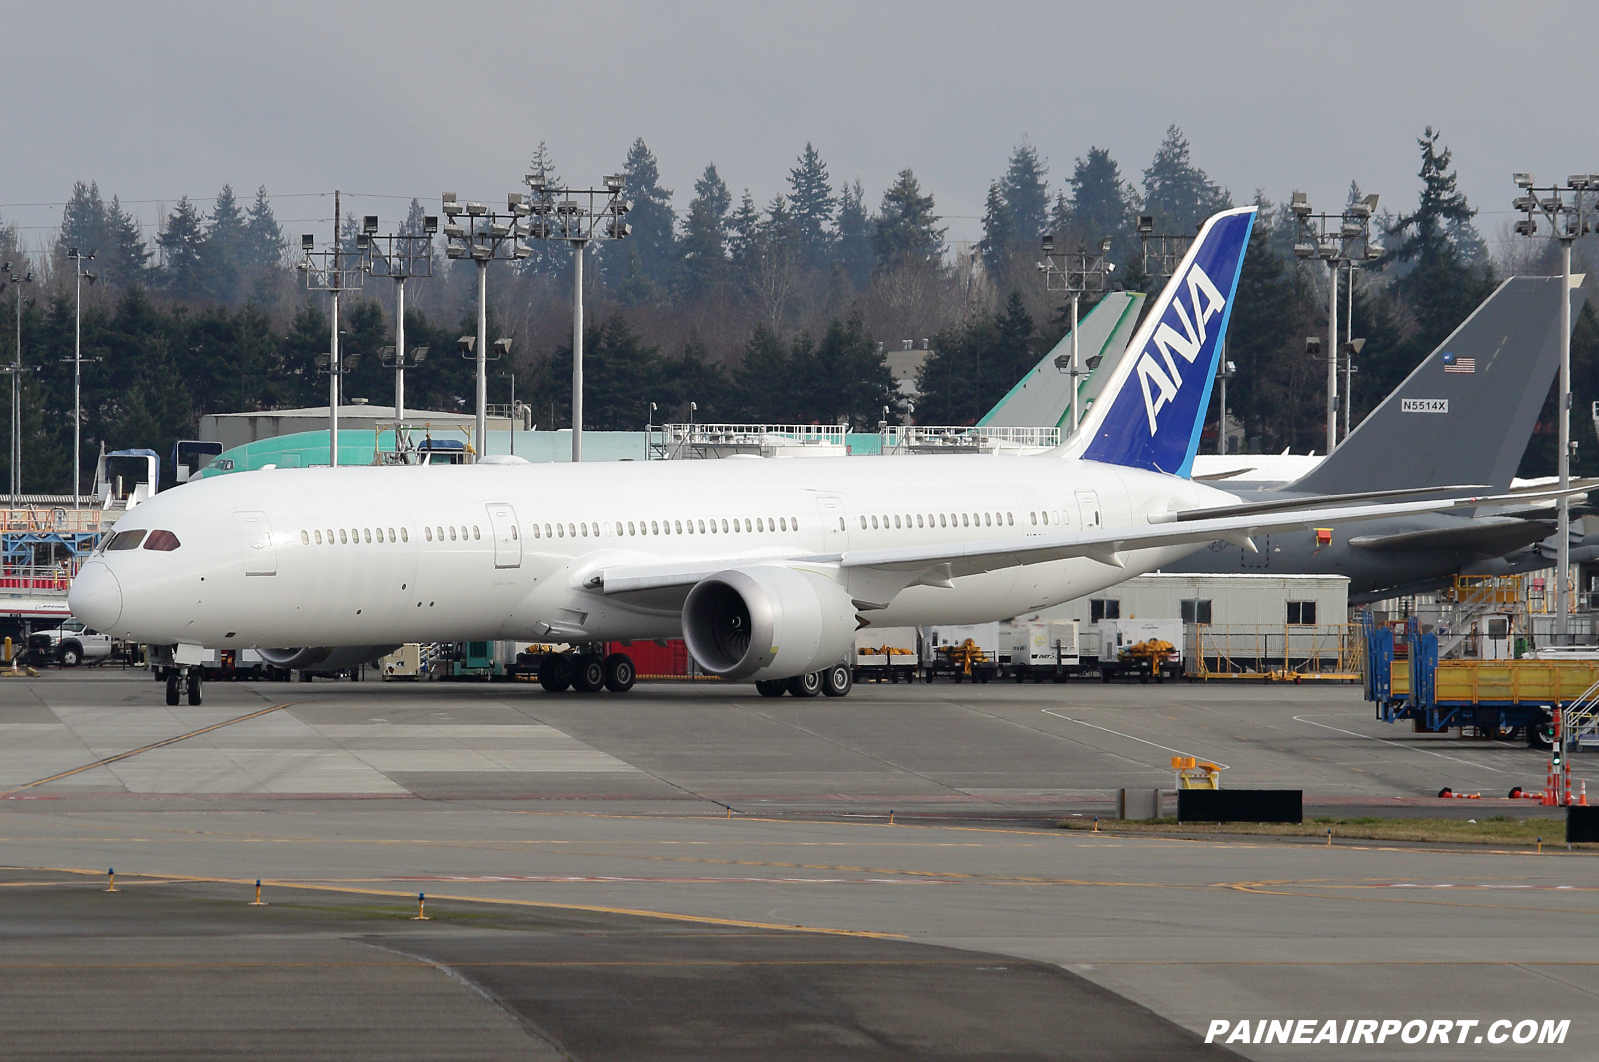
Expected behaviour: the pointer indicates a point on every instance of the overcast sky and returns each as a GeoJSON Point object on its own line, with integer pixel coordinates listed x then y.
{"type": "Point", "coordinates": [156, 100]}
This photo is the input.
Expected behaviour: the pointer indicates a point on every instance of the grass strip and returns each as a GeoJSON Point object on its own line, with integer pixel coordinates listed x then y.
{"type": "Point", "coordinates": [1493, 829]}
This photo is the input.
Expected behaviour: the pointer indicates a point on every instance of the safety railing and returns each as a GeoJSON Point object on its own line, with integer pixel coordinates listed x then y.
{"type": "Point", "coordinates": [56, 519]}
{"type": "Point", "coordinates": [930, 438]}
{"type": "Point", "coordinates": [1281, 651]}
{"type": "Point", "coordinates": [55, 579]}
{"type": "Point", "coordinates": [678, 441]}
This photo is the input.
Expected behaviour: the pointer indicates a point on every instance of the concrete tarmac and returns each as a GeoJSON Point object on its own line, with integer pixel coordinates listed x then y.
{"type": "Point", "coordinates": [711, 810]}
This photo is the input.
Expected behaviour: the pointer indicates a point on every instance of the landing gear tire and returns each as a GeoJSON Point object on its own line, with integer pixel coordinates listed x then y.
{"type": "Point", "coordinates": [173, 688]}
{"type": "Point", "coordinates": [838, 680]}
{"type": "Point", "coordinates": [554, 674]}
{"type": "Point", "coordinates": [619, 673]}
{"type": "Point", "coordinates": [194, 689]}
{"type": "Point", "coordinates": [806, 685]}
{"type": "Point", "coordinates": [589, 674]}
{"type": "Point", "coordinates": [771, 687]}
{"type": "Point", "coordinates": [1541, 735]}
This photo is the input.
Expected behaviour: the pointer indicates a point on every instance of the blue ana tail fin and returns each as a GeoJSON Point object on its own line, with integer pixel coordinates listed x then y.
{"type": "Point", "coordinates": [1154, 408]}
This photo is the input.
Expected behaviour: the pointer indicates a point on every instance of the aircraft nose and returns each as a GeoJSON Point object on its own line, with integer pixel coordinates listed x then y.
{"type": "Point", "coordinates": [96, 597]}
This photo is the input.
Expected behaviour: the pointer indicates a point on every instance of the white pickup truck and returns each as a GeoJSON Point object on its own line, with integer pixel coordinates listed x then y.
{"type": "Point", "coordinates": [71, 644]}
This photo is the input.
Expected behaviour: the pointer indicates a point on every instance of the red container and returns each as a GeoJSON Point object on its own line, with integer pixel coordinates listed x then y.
{"type": "Point", "coordinates": [655, 661]}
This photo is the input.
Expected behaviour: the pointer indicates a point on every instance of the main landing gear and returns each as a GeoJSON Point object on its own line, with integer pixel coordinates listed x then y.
{"type": "Point", "coordinates": [835, 681]}
{"type": "Point", "coordinates": [587, 672]}
{"type": "Point", "coordinates": [181, 678]}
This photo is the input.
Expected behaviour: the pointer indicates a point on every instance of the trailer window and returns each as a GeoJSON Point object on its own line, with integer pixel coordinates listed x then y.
{"type": "Point", "coordinates": [127, 539]}
{"type": "Point", "coordinates": [1301, 612]}
{"type": "Point", "coordinates": [1104, 609]}
{"type": "Point", "coordinates": [1196, 610]}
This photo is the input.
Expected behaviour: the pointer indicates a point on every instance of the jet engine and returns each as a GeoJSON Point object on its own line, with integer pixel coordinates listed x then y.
{"type": "Point", "coordinates": [325, 657]}
{"type": "Point", "coordinates": [767, 622]}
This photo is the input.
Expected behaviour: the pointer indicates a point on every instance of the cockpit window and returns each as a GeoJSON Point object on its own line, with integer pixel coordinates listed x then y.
{"type": "Point", "coordinates": [165, 541]}
{"type": "Point", "coordinates": [127, 539]}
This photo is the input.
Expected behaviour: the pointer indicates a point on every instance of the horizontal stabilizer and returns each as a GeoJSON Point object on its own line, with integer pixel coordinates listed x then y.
{"type": "Point", "coordinates": [1488, 536]}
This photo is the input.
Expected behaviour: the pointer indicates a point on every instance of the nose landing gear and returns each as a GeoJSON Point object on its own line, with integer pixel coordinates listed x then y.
{"type": "Point", "coordinates": [179, 679]}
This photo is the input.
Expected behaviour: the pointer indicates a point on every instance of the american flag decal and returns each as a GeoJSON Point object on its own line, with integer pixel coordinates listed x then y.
{"type": "Point", "coordinates": [1454, 364]}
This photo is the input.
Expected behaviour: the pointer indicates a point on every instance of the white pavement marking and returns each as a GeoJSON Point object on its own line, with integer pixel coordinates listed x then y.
{"type": "Point", "coordinates": [1129, 737]}
{"type": "Point", "coordinates": [1397, 745]}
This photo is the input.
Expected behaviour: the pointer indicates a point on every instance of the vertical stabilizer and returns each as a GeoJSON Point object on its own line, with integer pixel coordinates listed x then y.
{"type": "Point", "coordinates": [1153, 408]}
{"type": "Point", "coordinates": [1464, 415]}
{"type": "Point", "coordinates": [1043, 398]}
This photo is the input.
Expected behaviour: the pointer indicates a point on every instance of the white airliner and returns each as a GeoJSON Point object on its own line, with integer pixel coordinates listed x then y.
{"type": "Point", "coordinates": [766, 568]}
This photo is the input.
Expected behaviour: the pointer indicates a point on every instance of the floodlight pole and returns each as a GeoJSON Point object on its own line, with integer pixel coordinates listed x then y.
{"type": "Point", "coordinates": [558, 214]}
{"type": "Point", "coordinates": [78, 258]}
{"type": "Point", "coordinates": [1073, 271]}
{"type": "Point", "coordinates": [1334, 238]}
{"type": "Point", "coordinates": [408, 255]}
{"type": "Point", "coordinates": [17, 280]}
{"type": "Point", "coordinates": [334, 364]}
{"type": "Point", "coordinates": [577, 349]}
{"type": "Point", "coordinates": [1570, 212]}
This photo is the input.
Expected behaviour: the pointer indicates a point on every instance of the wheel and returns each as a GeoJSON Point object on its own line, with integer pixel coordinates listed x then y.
{"type": "Point", "coordinates": [1541, 735]}
{"type": "Point", "coordinates": [771, 687]}
{"type": "Point", "coordinates": [619, 673]}
{"type": "Point", "coordinates": [71, 655]}
{"type": "Point", "coordinates": [806, 685]}
{"type": "Point", "coordinates": [173, 689]}
{"type": "Point", "coordinates": [194, 689]}
{"type": "Point", "coordinates": [838, 680]}
{"type": "Point", "coordinates": [589, 674]}
{"type": "Point", "coordinates": [554, 674]}
{"type": "Point", "coordinates": [1507, 733]}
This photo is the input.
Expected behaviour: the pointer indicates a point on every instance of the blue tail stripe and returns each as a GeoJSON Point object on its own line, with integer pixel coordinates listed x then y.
{"type": "Point", "coordinates": [1163, 387]}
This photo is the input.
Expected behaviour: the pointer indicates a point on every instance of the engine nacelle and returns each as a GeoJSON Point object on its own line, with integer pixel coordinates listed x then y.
{"type": "Point", "coordinates": [325, 657]}
{"type": "Point", "coordinates": [767, 622]}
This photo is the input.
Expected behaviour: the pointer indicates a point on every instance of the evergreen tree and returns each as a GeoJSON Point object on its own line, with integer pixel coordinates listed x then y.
{"type": "Point", "coordinates": [1101, 203]}
{"type": "Point", "coordinates": [125, 259]}
{"type": "Point", "coordinates": [1025, 189]}
{"type": "Point", "coordinates": [182, 243]}
{"type": "Point", "coordinates": [812, 203]}
{"type": "Point", "coordinates": [762, 383]}
{"type": "Point", "coordinates": [83, 222]}
{"type": "Point", "coordinates": [973, 367]}
{"type": "Point", "coordinates": [843, 377]}
{"type": "Point", "coordinates": [226, 247]}
{"type": "Point", "coordinates": [620, 375]}
{"type": "Point", "coordinates": [693, 377]}
{"type": "Point", "coordinates": [855, 232]}
{"type": "Point", "coordinates": [906, 225]}
{"type": "Point", "coordinates": [1426, 230]}
{"type": "Point", "coordinates": [654, 223]}
{"type": "Point", "coordinates": [742, 228]}
{"type": "Point", "coordinates": [262, 239]}
{"type": "Point", "coordinates": [1177, 192]}
{"type": "Point", "coordinates": [702, 253]}
{"type": "Point", "coordinates": [549, 257]}
{"type": "Point", "coordinates": [999, 232]}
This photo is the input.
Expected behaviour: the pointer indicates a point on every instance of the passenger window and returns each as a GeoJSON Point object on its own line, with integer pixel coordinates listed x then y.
{"type": "Point", "coordinates": [305, 538]}
{"type": "Point", "coordinates": [319, 538]}
{"type": "Point", "coordinates": [874, 523]}
{"type": "Point", "coordinates": [571, 530]}
{"type": "Point", "coordinates": [166, 542]}
{"type": "Point", "coordinates": [655, 528]}
{"type": "Point", "coordinates": [1010, 520]}
{"type": "Point", "coordinates": [965, 522]}
{"type": "Point", "coordinates": [584, 527]}
{"type": "Point", "coordinates": [988, 521]}
{"type": "Point", "coordinates": [940, 519]}
{"type": "Point", "coordinates": [560, 531]}
{"type": "Point", "coordinates": [476, 534]}
{"type": "Point", "coordinates": [452, 532]}
{"type": "Point", "coordinates": [405, 536]}
{"type": "Point", "coordinates": [369, 534]}
{"type": "Point", "coordinates": [750, 527]}
{"type": "Point", "coordinates": [918, 519]}
{"type": "Point", "coordinates": [782, 523]}
{"type": "Point", "coordinates": [126, 540]}
{"type": "Point", "coordinates": [793, 523]}
{"type": "Point", "coordinates": [428, 532]}
{"type": "Point", "coordinates": [547, 531]}
{"type": "Point", "coordinates": [1034, 516]}
{"type": "Point", "coordinates": [391, 534]}
{"type": "Point", "coordinates": [724, 525]}
{"type": "Point", "coordinates": [441, 534]}
{"type": "Point", "coordinates": [344, 537]}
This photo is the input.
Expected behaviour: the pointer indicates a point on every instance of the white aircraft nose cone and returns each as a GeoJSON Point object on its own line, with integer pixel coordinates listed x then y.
{"type": "Point", "coordinates": [95, 597]}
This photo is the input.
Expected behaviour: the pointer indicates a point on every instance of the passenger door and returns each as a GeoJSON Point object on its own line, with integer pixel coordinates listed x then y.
{"type": "Point", "coordinates": [835, 539]}
{"type": "Point", "coordinates": [1088, 505]}
{"type": "Point", "coordinates": [507, 535]}
{"type": "Point", "coordinates": [255, 535]}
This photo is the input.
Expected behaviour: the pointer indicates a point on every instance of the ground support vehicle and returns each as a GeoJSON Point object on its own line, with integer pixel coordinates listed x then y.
{"type": "Point", "coordinates": [1147, 649]}
{"type": "Point", "coordinates": [887, 654]}
{"type": "Point", "coordinates": [1044, 650]}
{"type": "Point", "coordinates": [69, 645]}
{"type": "Point", "coordinates": [1500, 699]}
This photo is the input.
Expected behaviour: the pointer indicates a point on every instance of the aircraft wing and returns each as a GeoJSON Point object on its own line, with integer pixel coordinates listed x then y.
{"type": "Point", "coordinates": [875, 576]}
